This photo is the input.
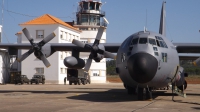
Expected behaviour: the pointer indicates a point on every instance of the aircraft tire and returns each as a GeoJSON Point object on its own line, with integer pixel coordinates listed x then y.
{"type": "Point", "coordinates": [140, 94]}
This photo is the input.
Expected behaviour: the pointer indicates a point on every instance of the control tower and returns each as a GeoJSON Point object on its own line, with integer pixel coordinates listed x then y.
{"type": "Point", "coordinates": [89, 18]}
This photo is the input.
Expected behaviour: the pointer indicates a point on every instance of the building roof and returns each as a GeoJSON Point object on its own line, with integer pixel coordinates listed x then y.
{"type": "Point", "coordinates": [48, 19]}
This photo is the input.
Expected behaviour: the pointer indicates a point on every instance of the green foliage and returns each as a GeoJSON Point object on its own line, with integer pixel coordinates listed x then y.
{"type": "Point", "coordinates": [186, 64]}
{"type": "Point", "coordinates": [189, 67]}
{"type": "Point", "coordinates": [110, 67]}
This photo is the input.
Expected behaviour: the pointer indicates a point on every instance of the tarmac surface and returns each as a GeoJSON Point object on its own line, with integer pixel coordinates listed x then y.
{"type": "Point", "coordinates": [110, 97]}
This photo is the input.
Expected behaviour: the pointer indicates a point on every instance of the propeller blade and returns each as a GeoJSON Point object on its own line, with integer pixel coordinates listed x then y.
{"type": "Point", "coordinates": [88, 64]}
{"type": "Point", "coordinates": [99, 35]}
{"type": "Point", "coordinates": [109, 55]}
{"type": "Point", "coordinates": [25, 55]}
{"type": "Point", "coordinates": [197, 62]}
{"type": "Point", "coordinates": [45, 61]}
{"type": "Point", "coordinates": [27, 34]}
{"type": "Point", "coordinates": [48, 38]}
{"type": "Point", "coordinates": [78, 43]}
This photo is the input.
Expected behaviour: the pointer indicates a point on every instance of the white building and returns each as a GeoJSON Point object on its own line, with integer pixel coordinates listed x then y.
{"type": "Point", "coordinates": [40, 28]}
{"type": "Point", "coordinates": [85, 29]}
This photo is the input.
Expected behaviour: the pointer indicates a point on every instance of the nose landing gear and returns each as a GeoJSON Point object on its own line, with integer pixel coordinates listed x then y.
{"type": "Point", "coordinates": [142, 93]}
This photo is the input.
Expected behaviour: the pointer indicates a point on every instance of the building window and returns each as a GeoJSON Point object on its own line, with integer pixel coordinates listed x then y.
{"type": "Point", "coordinates": [85, 42]}
{"type": "Point", "coordinates": [83, 28]}
{"type": "Point", "coordinates": [39, 33]}
{"type": "Point", "coordinates": [77, 37]}
{"type": "Point", "coordinates": [70, 38]}
{"type": "Point", "coordinates": [95, 74]}
{"type": "Point", "coordinates": [65, 70]}
{"type": "Point", "coordinates": [61, 55]}
{"type": "Point", "coordinates": [39, 70]}
{"type": "Point", "coordinates": [61, 70]}
{"type": "Point", "coordinates": [61, 35]}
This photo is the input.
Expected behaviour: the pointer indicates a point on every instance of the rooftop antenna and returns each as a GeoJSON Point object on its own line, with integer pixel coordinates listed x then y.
{"type": "Point", "coordinates": [2, 21]}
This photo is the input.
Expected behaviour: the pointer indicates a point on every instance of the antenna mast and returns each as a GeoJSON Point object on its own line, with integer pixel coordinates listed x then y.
{"type": "Point", "coordinates": [2, 21]}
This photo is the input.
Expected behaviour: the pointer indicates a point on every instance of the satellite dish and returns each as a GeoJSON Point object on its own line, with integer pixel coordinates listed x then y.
{"type": "Point", "coordinates": [105, 20]}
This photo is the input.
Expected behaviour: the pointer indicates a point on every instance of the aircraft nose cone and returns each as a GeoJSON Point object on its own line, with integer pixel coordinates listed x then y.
{"type": "Point", "coordinates": [142, 67]}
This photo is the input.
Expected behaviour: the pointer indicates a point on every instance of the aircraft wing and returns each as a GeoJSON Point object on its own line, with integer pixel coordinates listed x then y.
{"type": "Point", "coordinates": [111, 47]}
{"type": "Point", "coordinates": [191, 48]}
{"type": "Point", "coordinates": [187, 47]}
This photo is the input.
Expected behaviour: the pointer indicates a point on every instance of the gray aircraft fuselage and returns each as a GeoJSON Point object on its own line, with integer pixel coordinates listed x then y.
{"type": "Point", "coordinates": [147, 59]}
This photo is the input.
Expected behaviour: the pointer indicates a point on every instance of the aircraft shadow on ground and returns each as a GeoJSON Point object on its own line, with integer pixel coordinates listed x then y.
{"type": "Point", "coordinates": [197, 108]}
{"type": "Point", "coordinates": [112, 95]}
{"type": "Point", "coordinates": [194, 103]}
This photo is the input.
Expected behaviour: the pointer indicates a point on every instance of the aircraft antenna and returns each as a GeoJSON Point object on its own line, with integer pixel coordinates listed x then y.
{"type": "Point", "coordinates": [146, 20]}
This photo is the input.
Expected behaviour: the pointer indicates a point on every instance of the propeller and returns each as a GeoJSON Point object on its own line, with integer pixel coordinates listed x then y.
{"type": "Point", "coordinates": [94, 49]}
{"type": "Point", "coordinates": [36, 48]}
{"type": "Point", "coordinates": [196, 62]}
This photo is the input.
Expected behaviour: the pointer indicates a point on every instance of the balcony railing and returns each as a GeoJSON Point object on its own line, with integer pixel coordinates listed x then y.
{"type": "Point", "coordinates": [91, 0]}
{"type": "Point", "coordinates": [91, 23]}
{"type": "Point", "coordinates": [99, 12]}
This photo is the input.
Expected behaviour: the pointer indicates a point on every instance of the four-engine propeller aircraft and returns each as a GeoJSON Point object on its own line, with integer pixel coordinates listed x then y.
{"type": "Point", "coordinates": [145, 60]}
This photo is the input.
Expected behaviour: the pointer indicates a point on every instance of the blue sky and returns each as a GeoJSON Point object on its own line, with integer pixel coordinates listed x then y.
{"type": "Point", "coordinates": [125, 17]}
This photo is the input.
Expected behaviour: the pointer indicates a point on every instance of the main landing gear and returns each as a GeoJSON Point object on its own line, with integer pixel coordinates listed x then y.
{"type": "Point", "coordinates": [142, 93]}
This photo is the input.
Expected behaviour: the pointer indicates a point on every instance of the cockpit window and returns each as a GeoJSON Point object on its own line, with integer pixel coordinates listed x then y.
{"type": "Point", "coordinates": [165, 44]}
{"type": "Point", "coordinates": [127, 42]}
{"type": "Point", "coordinates": [152, 41]}
{"type": "Point", "coordinates": [143, 41]}
{"type": "Point", "coordinates": [134, 41]}
{"type": "Point", "coordinates": [160, 42]}
{"type": "Point", "coordinates": [158, 38]}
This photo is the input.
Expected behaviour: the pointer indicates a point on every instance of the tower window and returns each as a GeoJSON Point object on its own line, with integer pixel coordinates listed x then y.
{"type": "Point", "coordinates": [97, 6]}
{"type": "Point", "coordinates": [85, 5]}
{"type": "Point", "coordinates": [84, 18]}
{"type": "Point", "coordinates": [92, 5]}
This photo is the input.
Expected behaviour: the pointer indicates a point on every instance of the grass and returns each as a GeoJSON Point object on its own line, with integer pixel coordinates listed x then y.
{"type": "Point", "coordinates": [191, 79]}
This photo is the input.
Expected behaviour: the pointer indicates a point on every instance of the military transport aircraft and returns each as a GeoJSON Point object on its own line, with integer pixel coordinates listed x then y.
{"type": "Point", "coordinates": [145, 60]}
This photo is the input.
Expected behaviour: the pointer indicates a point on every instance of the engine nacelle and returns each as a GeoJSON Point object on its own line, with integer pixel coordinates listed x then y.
{"type": "Point", "coordinates": [46, 50]}
{"type": "Point", "coordinates": [73, 62]}
{"type": "Point", "coordinates": [180, 79]}
{"type": "Point", "coordinates": [183, 86]}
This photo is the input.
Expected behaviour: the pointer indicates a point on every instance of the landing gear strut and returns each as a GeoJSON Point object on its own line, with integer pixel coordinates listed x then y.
{"type": "Point", "coordinates": [130, 90]}
{"type": "Point", "coordinates": [147, 96]}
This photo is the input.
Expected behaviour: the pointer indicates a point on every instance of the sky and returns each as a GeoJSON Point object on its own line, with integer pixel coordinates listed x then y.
{"type": "Point", "coordinates": [125, 17]}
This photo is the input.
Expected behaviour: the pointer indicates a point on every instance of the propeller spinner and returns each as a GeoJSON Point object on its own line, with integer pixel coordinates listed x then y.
{"type": "Point", "coordinates": [94, 49]}
{"type": "Point", "coordinates": [36, 48]}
